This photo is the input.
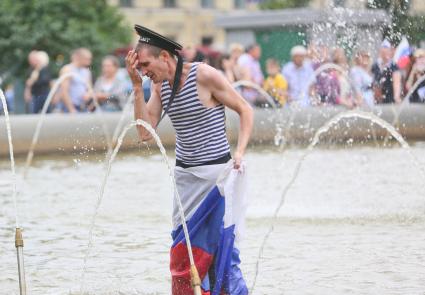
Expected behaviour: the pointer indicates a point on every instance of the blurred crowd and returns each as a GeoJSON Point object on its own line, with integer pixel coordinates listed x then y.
{"type": "Point", "coordinates": [316, 75]}
{"type": "Point", "coordinates": [76, 91]}
{"type": "Point", "coordinates": [319, 75]}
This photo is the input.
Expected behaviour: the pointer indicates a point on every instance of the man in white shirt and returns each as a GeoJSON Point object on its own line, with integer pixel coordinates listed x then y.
{"type": "Point", "coordinates": [300, 76]}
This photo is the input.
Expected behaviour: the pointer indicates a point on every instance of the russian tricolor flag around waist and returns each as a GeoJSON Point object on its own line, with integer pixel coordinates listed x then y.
{"type": "Point", "coordinates": [215, 225]}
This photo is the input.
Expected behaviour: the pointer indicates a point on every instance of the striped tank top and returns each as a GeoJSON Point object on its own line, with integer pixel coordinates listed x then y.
{"type": "Point", "coordinates": [200, 131]}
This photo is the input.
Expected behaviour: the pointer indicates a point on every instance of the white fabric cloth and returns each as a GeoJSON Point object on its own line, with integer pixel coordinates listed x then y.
{"type": "Point", "coordinates": [232, 184]}
{"type": "Point", "coordinates": [193, 185]}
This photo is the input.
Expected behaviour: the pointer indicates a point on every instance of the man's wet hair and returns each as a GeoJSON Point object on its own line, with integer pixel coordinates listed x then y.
{"type": "Point", "coordinates": [154, 50]}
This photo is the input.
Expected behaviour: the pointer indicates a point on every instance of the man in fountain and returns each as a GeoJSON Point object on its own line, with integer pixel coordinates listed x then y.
{"type": "Point", "coordinates": [194, 96]}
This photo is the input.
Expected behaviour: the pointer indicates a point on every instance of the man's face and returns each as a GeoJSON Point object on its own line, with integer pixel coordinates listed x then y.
{"type": "Point", "coordinates": [386, 53]}
{"type": "Point", "coordinates": [256, 52]}
{"type": "Point", "coordinates": [153, 67]}
{"type": "Point", "coordinates": [32, 59]}
{"type": "Point", "coordinates": [108, 68]}
{"type": "Point", "coordinates": [298, 59]}
{"type": "Point", "coordinates": [85, 59]}
{"type": "Point", "coordinates": [272, 69]}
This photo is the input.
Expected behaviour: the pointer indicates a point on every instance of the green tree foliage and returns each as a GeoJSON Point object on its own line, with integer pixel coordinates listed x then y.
{"type": "Point", "coordinates": [57, 27]}
{"type": "Point", "coordinates": [282, 4]}
{"type": "Point", "coordinates": [404, 23]}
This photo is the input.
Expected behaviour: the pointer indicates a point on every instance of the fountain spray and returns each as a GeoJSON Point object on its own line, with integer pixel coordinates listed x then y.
{"type": "Point", "coordinates": [405, 101]}
{"type": "Point", "coordinates": [195, 279]}
{"type": "Point", "coordinates": [249, 84]}
{"type": "Point", "coordinates": [325, 128]}
{"type": "Point", "coordinates": [19, 242]}
{"type": "Point", "coordinates": [44, 111]}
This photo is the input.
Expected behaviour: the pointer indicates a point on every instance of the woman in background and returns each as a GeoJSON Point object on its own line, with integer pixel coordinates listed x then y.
{"type": "Point", "coordinates": [37, 86]}
{"type": "Point", "coordinates": [110, 89]}
{"type": "Point", "coordinates": [362, 78]}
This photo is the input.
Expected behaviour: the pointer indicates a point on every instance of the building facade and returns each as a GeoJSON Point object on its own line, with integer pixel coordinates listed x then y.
{"type": "Point", "coordinates": [191, 21]}
{"type": "Point", "coordinates": [185, 21]}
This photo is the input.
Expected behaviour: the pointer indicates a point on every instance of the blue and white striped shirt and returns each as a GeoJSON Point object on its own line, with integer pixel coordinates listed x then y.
{"type": "Point", "coordinates": [200, 131]}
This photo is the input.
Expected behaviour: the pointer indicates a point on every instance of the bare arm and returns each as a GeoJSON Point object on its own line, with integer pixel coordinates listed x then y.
{"type": "Point", "coordinates": [27, 93]}
{"type": "Point", "coordinates": [90, 93]}
{"type": "Point", "coordinates": [66, 98]}
{"type": "Point", "coordinates": [149, 112]}
{"type": "Point", "coordinates": [29, 83]}
{"type": "Point", "coordinates": [397, 86]}
{"type": "Point", "coordinates": [221, 90]}
{"type": "Point", "coordinates": [228, 70]}
{"type": "Point", "coordinates": [410, 81]}
{"type": "Point", "coordinates": [246, 75]}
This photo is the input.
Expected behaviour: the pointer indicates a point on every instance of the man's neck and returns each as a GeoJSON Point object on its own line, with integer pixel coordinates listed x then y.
{"type": "Point", "coordinates": [77, 65]}
{"type": "Point", "coordinates": [298, 66]}
{"type": "Point", "coordinates": [184, 74]}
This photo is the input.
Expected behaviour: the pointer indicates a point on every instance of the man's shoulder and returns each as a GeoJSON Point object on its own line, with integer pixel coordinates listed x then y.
{"type": "Point", "coordinates": [307, 65]}
{"type": "Point", "coordinates": [66, 69]}
{"type": "Point", "coordinates": [206, 72]}
{"type": "Point", "coordinates": [288, 67]}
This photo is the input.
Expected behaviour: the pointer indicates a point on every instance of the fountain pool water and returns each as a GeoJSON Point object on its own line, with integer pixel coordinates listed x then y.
{"type": "Point", "coordinates": [315, 140]}
{"type": "Point", "coordinates": [43, 112]}
{"type": "Point", "coordinates": [353, 223]}
{"type": "Point", "coordinates": [110, 159]}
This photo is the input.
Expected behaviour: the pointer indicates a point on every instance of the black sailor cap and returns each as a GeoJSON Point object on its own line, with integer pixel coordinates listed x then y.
{"type": "Point", "coordinates": [155, 39]}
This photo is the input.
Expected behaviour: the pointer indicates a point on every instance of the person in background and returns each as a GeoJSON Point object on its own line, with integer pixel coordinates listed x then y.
{"type": "Point", "coordinates": [417, 72]}
{"type": "Point", "coordinates": [251, 71]}
{"type": "Point", "coordinates": [362, 78]}
{"type": "Point", "coordinates": [192, 54]}
{"type": "Point", "coordinates": [299, 74]}
{"type": "Point", "coordinates": [9, 94]}
{"type": "Point", "coordinates": [211, 54]}
{"type": "Point", "coordinates": [110, 90]}
{"type": "Point", "coordinates": [318, 54]}
{"type": "Point", "coordinates": [37, 86]}
{"type": "Point", "coordinates": [326, 89]}
{"type": "Point", "coordinates": [387, 77]}
{"type": "Point", "coordinates": [235, 51]}
{"type": "Point", "coordinates": [228, 63]}
{"type": "Point", "coordinates": [275, 84]}
{"type": "Point", "coordinates": [346, 97]}
{"type": "Point", "coordinates": [75, 90]}
{"type": "Point", "coordinates": [226, 67]}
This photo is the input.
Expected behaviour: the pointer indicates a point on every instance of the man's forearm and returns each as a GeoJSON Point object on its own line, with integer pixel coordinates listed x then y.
{"type": "Point", "coordinates": [140, 108]}
{"type": "Point", "coordinates": [246, 122]}
{"type": "Point", "coordinates": [66, 98]}
{"type": "Point", "coordinates": [397, 87]}
{"type": "Point", "coordinates": [141, 112]}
